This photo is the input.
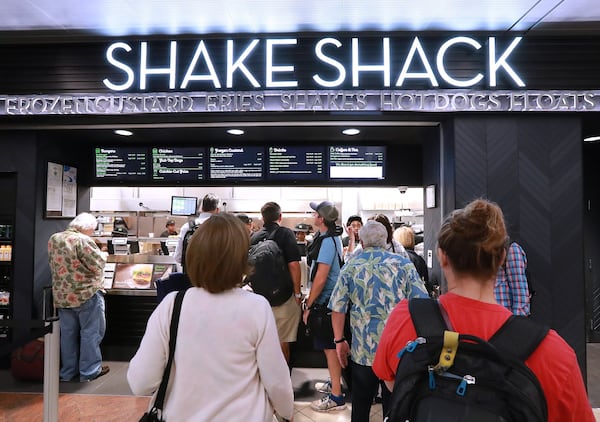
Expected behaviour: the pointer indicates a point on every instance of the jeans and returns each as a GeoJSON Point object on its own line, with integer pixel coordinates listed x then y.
{"type": "Point", "coordinates": [364, 390]}
{"type": "Point", "coordinates": [81, 331]}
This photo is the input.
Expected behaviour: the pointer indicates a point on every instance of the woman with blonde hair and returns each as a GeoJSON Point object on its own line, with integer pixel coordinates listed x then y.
{"type": "Point", "coordinates": [471, 248]}
{"type": "Point", "coordinates": [227, 363]}
{"type": "Point", "coordinates": [406, 237]}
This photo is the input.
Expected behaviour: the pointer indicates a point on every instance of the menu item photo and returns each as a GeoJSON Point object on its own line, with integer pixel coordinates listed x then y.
{"type": "Point", "coordinates": [133, 276]}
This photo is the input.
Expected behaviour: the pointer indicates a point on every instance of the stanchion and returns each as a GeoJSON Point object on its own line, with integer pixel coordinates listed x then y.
{"type": "Point", "coordinates": [51, 370]}
{"type": "Point", "coordinates": [51, 364]}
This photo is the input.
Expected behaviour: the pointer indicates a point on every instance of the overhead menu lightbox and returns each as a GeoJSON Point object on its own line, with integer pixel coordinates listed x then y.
{"type": "Point", "coordinates": [356, 162]}
{"type": "Point", "coordinates": [121, 164]}
{"type": "Point", "coordinates": [311, 164]}
{"type": "Point", "coordinates": [185, 164]}
{"type": "Point", "coordinates": [296, 163]}
{"type": "Point", "coordinates": [242, 162]}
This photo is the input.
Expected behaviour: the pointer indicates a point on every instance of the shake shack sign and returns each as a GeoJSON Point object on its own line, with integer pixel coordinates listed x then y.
{"type": "Point", "coordinates": [327, 63]}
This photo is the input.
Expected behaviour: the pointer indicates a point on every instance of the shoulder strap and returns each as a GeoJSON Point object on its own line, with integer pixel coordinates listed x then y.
{"type": "Point", "coordinates": [271, 235]}
{"type": "Point", "coordinates": [427, 317]}
{"type": "Point", "coordinates": [520, 336]}
{"type": "Point", "coordinates": [337, 253]}
{"type": "Point", "coordinates": [160, 396]}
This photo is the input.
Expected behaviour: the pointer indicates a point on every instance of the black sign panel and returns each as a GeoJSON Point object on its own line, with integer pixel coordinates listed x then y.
{"type": "Point", "coordinates": [244, 163]}
{"type": "Point", "coordinates": [291, 163]}
{"type": "Point", "coordinates": [357, 162]}
{"type": "Point", "coordinates": [121, 163]}
{"type": "Point", "coordinates": [178, 164]}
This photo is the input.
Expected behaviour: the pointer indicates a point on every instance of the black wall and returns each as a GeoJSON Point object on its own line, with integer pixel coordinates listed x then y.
{"type": "Point", "coordinates": [532, 167]}
{"type": "Point", "coordinates": [26, 156]}
{"type": "Point", "coordinates": [79, 66]}
{"type": "Point", "coordinates": [19, 155]}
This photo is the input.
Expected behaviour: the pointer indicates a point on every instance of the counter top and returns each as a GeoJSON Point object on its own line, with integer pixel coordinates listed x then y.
{"type": "Point", "coordinates": [141, 258]}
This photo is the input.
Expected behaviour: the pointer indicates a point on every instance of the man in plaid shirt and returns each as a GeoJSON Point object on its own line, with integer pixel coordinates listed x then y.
{"type": "Point", "coordinates": [511, 288]}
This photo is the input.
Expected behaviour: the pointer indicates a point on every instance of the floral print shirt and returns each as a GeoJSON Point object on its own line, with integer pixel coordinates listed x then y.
{"type": "Point", "coordinates": [77, 266]}
{"type": "Point", "coordinates": [372, 283]}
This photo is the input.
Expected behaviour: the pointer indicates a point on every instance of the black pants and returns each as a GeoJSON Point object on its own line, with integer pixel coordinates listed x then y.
{"type": "Point", "coordinates": [364, 389]}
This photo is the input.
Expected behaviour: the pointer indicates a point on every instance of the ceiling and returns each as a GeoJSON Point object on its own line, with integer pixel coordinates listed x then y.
{"type": "Point", "coordinates": [295, 132]}
{"type": "Point", "coordinates": [36, 18]}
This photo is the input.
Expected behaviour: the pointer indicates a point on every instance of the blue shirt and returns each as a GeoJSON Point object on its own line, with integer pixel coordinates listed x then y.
{"type": "Point", "coordinates": [373, 282]}
{"type": "Point", "coordinates": [330, 254]}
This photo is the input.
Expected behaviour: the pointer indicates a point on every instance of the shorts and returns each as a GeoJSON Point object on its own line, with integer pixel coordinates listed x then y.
{"type": "Point", "coordinates": [287, 319]}
{"type": "Point", "coordinates": [319, 321]}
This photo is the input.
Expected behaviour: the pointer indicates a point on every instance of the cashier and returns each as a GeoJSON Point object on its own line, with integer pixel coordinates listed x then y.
{"type": "Point", "coordinates": [171, 230]}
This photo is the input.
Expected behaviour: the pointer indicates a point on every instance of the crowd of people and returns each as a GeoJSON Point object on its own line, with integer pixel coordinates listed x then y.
{"type": "Point", "coordinates": [356, 310]}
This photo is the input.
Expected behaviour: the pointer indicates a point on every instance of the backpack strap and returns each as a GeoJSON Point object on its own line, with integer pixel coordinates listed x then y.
{"type": "Point", "coordinates": [520, 336]}
{"type": "Point", "coordinates": [426, 315]}
{"type": "Point", "coordinates": [271, 235]}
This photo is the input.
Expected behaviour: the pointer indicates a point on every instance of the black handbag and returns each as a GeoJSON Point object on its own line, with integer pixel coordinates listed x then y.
{"type": "Point", "coordinates": [155, 414]}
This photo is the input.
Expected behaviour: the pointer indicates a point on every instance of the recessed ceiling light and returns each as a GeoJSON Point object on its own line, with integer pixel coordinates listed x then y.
{"type": "Point", "coordinates": [351, 131]}
{"type": "Point", "coordinates": [123, 132]}
{"type": "Point", "coordinates": [236, 132]}
{"type": "Point", "coordinates": [591, 139]}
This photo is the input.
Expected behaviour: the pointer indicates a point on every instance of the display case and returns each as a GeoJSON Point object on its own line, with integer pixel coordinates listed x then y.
{"type": "Point", "coordinates": [134, 264]}
{"type": "Point", "coordinates": [6, 273]}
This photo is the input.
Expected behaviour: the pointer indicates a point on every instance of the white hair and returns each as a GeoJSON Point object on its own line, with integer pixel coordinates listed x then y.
{"type": "Point", "coordinates": [373, 235]}
{"type": "Point", "coordinates": [84, 221]}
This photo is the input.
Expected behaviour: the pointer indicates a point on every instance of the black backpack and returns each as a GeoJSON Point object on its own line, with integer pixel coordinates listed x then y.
{"type": "Point", "coordinates": [192, 227]}
{"type": "Point", "coordinates": [451, 377]}
{"type": "Point", "coordinates": [269, 275]}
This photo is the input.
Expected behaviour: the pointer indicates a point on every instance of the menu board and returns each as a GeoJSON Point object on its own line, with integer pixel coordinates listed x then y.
{"type": "Point", "coordinates": [178, 164]}
{"type": "Point", "coordinates": [235, 163]}
{"type": "Point", "coordinates": [356, 162]}
{"type": "Point", "coordinates": [296, 163]}
{"type": "Point", "coordinates": [121, 163]}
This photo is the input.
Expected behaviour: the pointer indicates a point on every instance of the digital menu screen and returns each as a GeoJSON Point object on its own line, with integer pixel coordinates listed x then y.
{"type": "Point", "coordinates": [121, 163]}
{"type": "Point", "coordinates": [356, 162]}
{"type": "Point", "coordinates": [235, 163]}
{"type": "Point", "coordinates": [177, 164]}
{"type": "Point", "coordinates": [296, 163]}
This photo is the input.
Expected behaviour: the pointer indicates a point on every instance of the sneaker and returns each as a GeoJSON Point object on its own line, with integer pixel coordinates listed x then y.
{"type": "Point", "coordinates": [323, 387]}
{"type": "Point", "coordinates": [103, 371]}
{"type": "Point", "coordinates": [327, 404]}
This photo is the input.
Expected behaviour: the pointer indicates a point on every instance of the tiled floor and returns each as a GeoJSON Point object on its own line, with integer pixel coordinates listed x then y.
{"type": "Point", "coordinates": [110, 399]}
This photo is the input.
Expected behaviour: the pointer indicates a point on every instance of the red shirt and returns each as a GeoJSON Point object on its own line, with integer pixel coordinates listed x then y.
{"type": "Point", "coordinates": [553, 362]}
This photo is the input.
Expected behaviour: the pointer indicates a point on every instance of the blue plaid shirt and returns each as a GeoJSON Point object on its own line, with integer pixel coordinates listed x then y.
{"type": "Point", "coordinates": [511, 289]}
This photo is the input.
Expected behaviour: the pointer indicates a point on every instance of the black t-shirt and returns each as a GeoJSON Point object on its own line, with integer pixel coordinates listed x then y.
{"type": "Point", "coordinates": [284, 237]}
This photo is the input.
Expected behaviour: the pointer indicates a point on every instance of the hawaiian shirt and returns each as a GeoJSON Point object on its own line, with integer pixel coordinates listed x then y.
{"type": "Point", "coordinates": [77, 267]}
{"type": "Point", "coordinates": [511, 288]}
{"type": "Point", "coordinates": [372, 283]}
